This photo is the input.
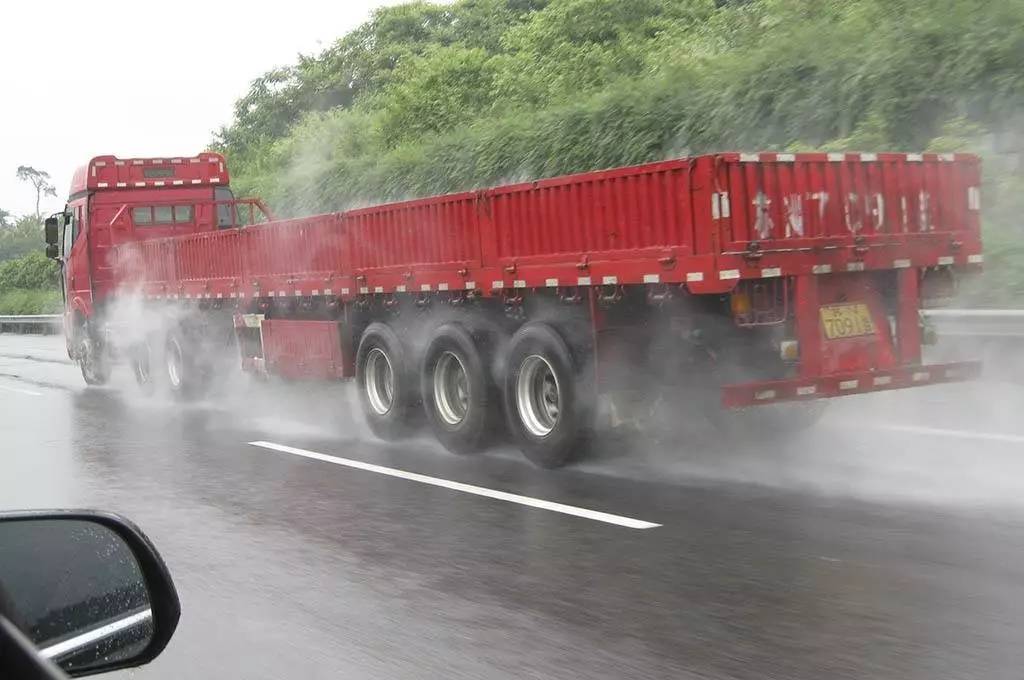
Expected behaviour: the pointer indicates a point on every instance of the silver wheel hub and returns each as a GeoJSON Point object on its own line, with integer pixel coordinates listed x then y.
{"type": "Point", "coordinates": [538, 396]}
{"type": "Point", "coordinates": [379, 383]}
{"type": "Point", "coordinates": [451, 388]}
{"type": "Point", "coordinates": [174, 363]}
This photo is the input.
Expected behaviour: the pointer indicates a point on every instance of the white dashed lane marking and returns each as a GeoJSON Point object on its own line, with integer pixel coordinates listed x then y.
{"type": "Point", "coordinates": [594, 515]}
{"type": "Point", "coordinates": [958, 434]}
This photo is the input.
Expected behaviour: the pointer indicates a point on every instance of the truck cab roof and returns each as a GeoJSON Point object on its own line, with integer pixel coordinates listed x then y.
{"type": "Point", "coordinates": [104, 173]}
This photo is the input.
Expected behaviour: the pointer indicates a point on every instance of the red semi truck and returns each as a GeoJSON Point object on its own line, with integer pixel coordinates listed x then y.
{"type": "Point", "coordinates": [735, 284]}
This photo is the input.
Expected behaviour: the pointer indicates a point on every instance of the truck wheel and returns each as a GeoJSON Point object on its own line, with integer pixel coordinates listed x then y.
{"type": "Point", "coordinates": [384, 382]}
{"type": "Point", "coordinates": [185, 376]}
{"type": "Point", "coordinates": [547, 405]}
{"type": "Point", "coordinates": [94, 365]}
{"type": "Point", "coordinates": [141, 367]}
{"type": "Point", "coordinates": [456, 390]}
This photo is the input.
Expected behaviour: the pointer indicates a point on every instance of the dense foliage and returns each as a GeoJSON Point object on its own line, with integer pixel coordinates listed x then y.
{"type": "Point", "coordinates": [28, 281]}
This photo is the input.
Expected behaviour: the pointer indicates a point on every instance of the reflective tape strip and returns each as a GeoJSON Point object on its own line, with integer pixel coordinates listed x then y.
{"type": "Point", "coordinates": [837, 157]}
{"type": "Point", "coordinates": [178, 182]}
{"type": "Point", "coordinates": [882, 380]}
{"type": "Point", "coordinates": [695, 276]}
{"type": "Point", "coordinates": [609, 280]}
{"type": "Point", "coordinates": [470, 285]}
{"type": "Point", "coordinates": [849, 384]}
{"type": "Point", "coordinates": [764, 394]}
{"type": "Point", "coordinates": [442, 286]}
{"type": "Point", "coordinates": [378, 289]}
{"type": "Point", "coordinates": [122, 185]}
{"type": "Point", "coordinates": [914, 158]}
{"type": "Point", "coordinates": [785, 157]}
{"type": "Point", "coordinates": [519, 283]}
{"type": "Point", "coordinates": [158, 183]}
{"type": "Point", "coordinates": [140, 184]}
{"type": "Point", "coordinates": [806, 390]}
{"type": "Point", "coordinates": [214, 180]}
{"type": "Point", "coordinates": [976, 259]}
{"type": "Point", "coordinates": [583, 281]}
{"type": "Point", "coordinates": [854, 266]}
{"type": "Point", "coordinates": [946, 259]}
{"type": "Point", "coordinates": [315, 292]}
{"type": "Point", "coordinates": [424, 287]}
{"type": "Point", "coordinates": [921, 376]}
{"type": "Point", "coordinates": [973, 198]}
{"type": "Point", "coordinates": [497, 284]}
{"type": "Point", "coordinates": [119, 163]}
{"type": "Point", "coordinates": [137, 162]}
{"type": "Point", "coordinates": [869, 157]}
{"type": "Point", "coordinates": [100, 164]}
{"type": "Point", "coordinates": [102, 185]}
{"type": "Point", "coordinates": [822, 269]}
{"type": "Point", "coordinates": [551, 283]}
{"type": "Point", "coordinates": [771, 272]}
{"type": "Point", "coordinates": [652, 278]}
{"type": "Point", "coordinates": [280, 293]}
{"type": "Point", "coordinates": [363, 290]}
{"type": "Point", "coordinates": [197, 181]}
{"type": "Point", "coordinates": [901, 263]}
{"type": "Point", "coordinates": [400, 289]}
{"type": "Point", "coordinates": [729, 274]}
{"type": "Point", "coordinates": [749, 158]}
{"type": "Point", "coordinates": [948, 157]}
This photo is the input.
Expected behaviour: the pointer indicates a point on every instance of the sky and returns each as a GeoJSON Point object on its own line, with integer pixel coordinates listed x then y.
{"type": "Point", "coordinates": [136, 79]}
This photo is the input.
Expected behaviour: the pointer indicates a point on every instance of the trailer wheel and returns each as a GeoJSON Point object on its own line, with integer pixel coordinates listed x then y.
{"type": "Point", "coordinates": [384, 382]}
{"type": "Point", "coordinates": [456, 390]}
{"type": "Point", "coordinates": [547, 405]}
{"type": "Point", "coordinates": [141, 362]}
{"type": "Point", "coordinates": [185, 375]}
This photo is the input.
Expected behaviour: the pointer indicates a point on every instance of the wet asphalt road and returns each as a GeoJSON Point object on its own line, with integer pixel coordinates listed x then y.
{"type": "Point", "coordinates": [888, 542]}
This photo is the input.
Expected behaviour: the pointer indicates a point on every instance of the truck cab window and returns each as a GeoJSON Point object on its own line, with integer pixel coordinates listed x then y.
{"type": "Point", "coordinates": [225, 213]}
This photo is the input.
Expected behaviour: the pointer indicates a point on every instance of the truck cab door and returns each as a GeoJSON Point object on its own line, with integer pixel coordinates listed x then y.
{"type": "Point", "coordinates": [75, 250]}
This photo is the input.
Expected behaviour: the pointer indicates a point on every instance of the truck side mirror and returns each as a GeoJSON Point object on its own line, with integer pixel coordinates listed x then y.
{"type": "Point", "coordinates": [52, 252]}
{"type": "Point", "coordinates": [52, 231]}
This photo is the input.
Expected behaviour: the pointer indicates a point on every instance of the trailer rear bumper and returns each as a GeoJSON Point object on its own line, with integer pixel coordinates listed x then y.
{"type": "Point", "coordinates": [838, 385]}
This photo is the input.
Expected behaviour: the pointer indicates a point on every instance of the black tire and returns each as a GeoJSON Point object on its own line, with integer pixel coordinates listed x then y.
{"type": "Point", "coordinates": [142, 364]}
{"type": "Point", "coordinates": [184, 373]}
{"type": "Point", "coordinates": [539, 361]}
{"type": "Point", "coordinates": [92, 360]}
{"type": "Point", "coordinates": [456, 390]}
{"type": "Point", "coordinates": [385, 383]}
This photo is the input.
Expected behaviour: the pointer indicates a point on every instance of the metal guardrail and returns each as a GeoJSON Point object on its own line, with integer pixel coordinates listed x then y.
{"type": "Point", "coordinates": [977, 323]}
{"type": "Point", "coordinates": [32, 323]}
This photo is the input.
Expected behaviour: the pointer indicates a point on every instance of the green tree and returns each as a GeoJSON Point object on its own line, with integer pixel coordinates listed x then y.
{"type": "Point", "coordinates": [40, 181]}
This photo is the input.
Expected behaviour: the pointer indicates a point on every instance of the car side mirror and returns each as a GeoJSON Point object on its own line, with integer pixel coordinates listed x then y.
{"type": "Point", "coordinates": [52, 228]}
{"type": "Point", "coordinates": [87, 588]}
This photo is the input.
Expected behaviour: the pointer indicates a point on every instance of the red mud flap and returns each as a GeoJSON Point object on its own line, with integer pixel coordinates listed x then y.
{"type": "Point", "coordinates": [838, 385]}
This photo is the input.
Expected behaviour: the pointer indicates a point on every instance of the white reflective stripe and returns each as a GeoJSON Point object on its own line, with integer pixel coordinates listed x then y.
{"type": "Point", "coordinates": [122, 185]}
{"type": "Point", "coordinates": [197, 181]}
{"type": "Point", "coordinates": [729, 274]}
{"type": "Point", "coordinates": [901, 263]}
{"type": "Point", "coordinates": [442, 286]}
{"type": "Point", "coordinates": [363, 290]}
{"type": "Point", "coordinates": [424, 286]}
{"type": "Point", "coordinates": [85, 639]}
{"type": "Point", "coordinates": [652, 278]}
{"type": "Point", "coordinates": [316, 291]}
{"type": "Point", "coordinates": [868, 157]}
{"type": "Point", "coordinates": [378, 289]}
{"type": "Point", "coordinates": [973, 198]}
{"type": "Point", "coordinates": [921, 376]}
{"type": "Point", "coordinates": [214, 180]}
{"type": "Point", "coordinates": [102, 185]}
{"type": "Point", "coordinates": [497, 284]}
{"type": "Point", "coordinates": [764, 394]}
{"type": "Point", "coordinates": [882, 380]}
{"type": "Point", "coordinates": [609, 280]}
{"type": "Point", "coordinates": [297, 293]}
{"type": "Point", "coordinates": [822, 269]}
{"type": "Point", "coordinates": [837, 156]}
{"type": "Point", "coordinates": [771, 272]}
{"type": "Point", "coordinates": [948, 157]}
{"type": "Point", "coordinates": [272, 293]}
{"type": "Point", "coordinates": [806, 390]}
{"type": "Point", "coordinates": [176, 161]}
{"type": "Point", "coordinates": [976, 259]}
{"type": "Point", "coordinates": [137, 162]}
{"type": "Point", "coordinates": [849, 384]}
{"type": "Point", "coordinates": [234, 294]}
{"type": "Point", "coordinates": [694, 276]}
{"type": "Point", "coordinates": [140, 184]}
{"type": "Point", "coordinates": [914, 158]}
{"type": "Point", "coordinates": [583, 281]}
{"type": "Point", "coordinates": [785, 157]}
{"type": "Point", "coordinates": [100, 164]}
{"type": "Point", "coordinates": [945, 259]}
{"type": "Point", "coordinates": [219, 295]}
{"type": "Point", "coordinates": [551, 283]}
{"type": "Point", "coordinates": [400, 289]}
{"type": "Point", "coordinates": [118, 162]}
{"type": "Point", "coordinates": [178, 182]}
{"type": "Point", "coordinates": [280, 293]}
{"type": "Point", "coordinates": [749, 158]}
{"type": "Point", "coordinates": [470, 285]}
{"type": "Point", "coordinates": [854, 266]}
{"type": "Point", "coordinates": [519, 283]}
{"type": "Point", "coordinates": [158, 184]}
{"type": "Point", "coordinates": [720, 204]}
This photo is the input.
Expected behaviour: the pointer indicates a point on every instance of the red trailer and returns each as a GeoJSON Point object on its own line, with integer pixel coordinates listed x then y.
{"type": "Point", "coordinates": [725, 282]}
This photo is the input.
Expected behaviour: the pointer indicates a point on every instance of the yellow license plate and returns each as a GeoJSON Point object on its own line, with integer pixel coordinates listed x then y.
{"type": "Point", "coordinates": [846, 321]}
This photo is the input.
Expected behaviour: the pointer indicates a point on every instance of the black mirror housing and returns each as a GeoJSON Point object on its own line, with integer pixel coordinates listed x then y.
{"type": "Point", "coordinates": [52, 227]}
{"type": "Point", "coordinates": [85, 648]}
{"type": "Point", "coordinates": [52, 251]}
